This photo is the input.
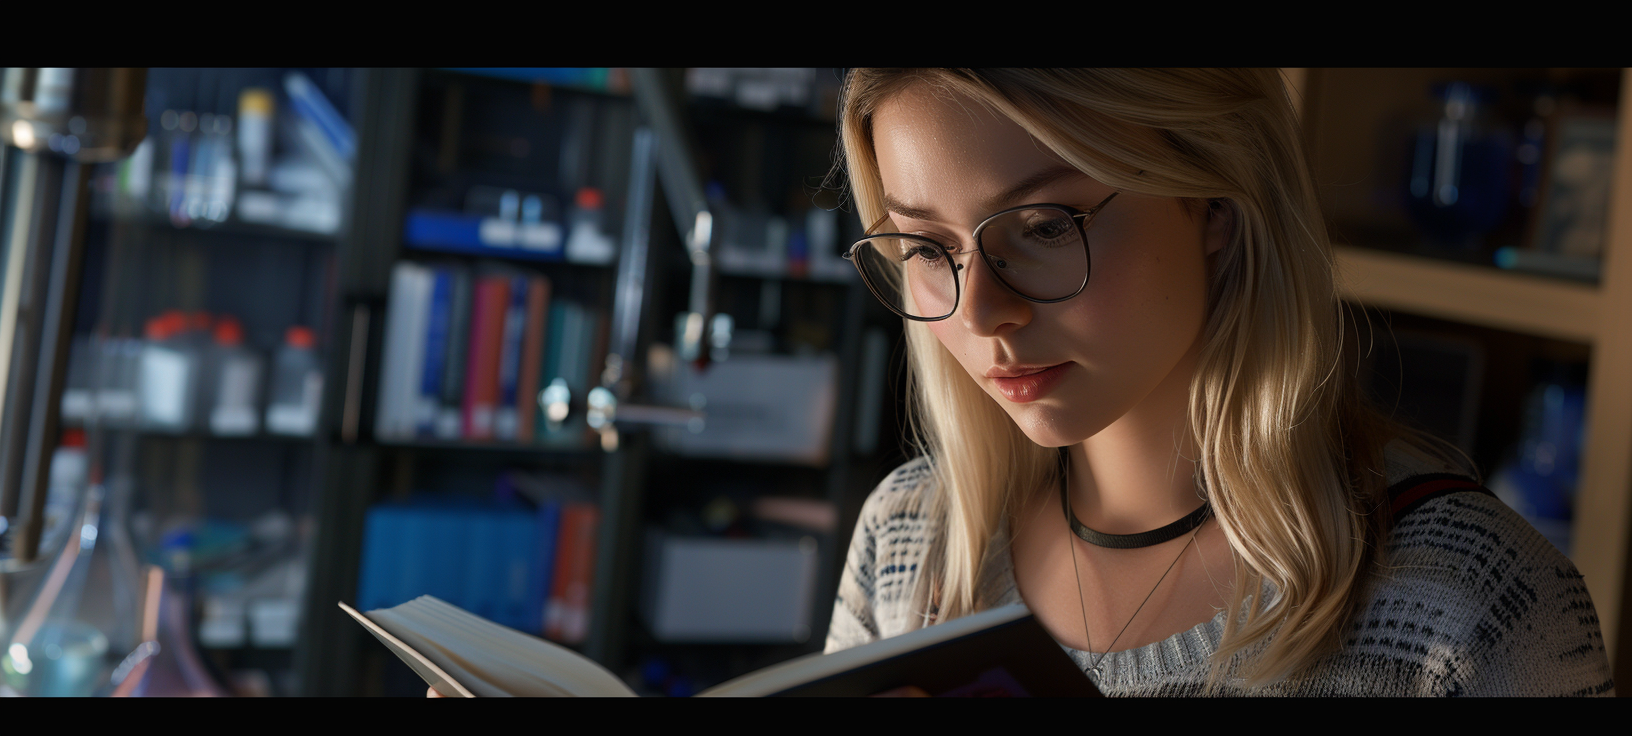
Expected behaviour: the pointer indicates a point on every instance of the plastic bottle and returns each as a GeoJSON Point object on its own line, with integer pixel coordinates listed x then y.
{"type": "Point", "coordinates": [234, 401]}
{"type": "Point", "coordinates": [587, 241]}
{"type": "Point", "coordinates": [166, 374]}
{"type": "Point", "coordinates": [297, 386]}
{"type": "Point", "coordinates": [255, 135]}
{"type": "Point", "coordinates": [68, 473]}
{"type": "Point", "coordinates": [195, 339]}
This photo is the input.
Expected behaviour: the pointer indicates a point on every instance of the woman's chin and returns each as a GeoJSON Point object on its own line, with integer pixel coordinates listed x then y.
{"type": "Point", "coordinates": [1047, 428]}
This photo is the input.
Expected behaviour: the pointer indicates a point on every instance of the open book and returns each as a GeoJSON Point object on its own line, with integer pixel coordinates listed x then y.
{"type": "Point", "coordinates": [1002, 652]}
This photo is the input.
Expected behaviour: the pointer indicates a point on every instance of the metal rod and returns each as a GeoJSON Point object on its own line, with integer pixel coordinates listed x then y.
{"type": "Point", "coordinates": [18, 319]}
{"type": "Point", "coordinates": [56, 333]}
{"type": "Point", "coordinates": [632, 269]}
{"type": "Point", "coordinates": [683, 189]}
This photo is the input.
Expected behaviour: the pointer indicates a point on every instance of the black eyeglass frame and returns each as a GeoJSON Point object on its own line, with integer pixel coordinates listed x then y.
{"type": "Point", "coordinates": [1082, 218]}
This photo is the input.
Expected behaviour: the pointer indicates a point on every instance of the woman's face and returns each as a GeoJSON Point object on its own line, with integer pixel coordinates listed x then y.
{"type": "Point", "coordinates": [1067, 370]}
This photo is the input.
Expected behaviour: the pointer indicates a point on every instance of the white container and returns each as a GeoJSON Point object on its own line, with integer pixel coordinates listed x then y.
{"type": "Point", "coordinates": [164, 379]}
{"type": "Point", "coordinates": [235, 400]}
{"type": "Point", "coordinates": [297, 386]}
{"type": "Point", "coordinates": [751, 413]}
{"type": "Point", "coordinates": [728, 590]}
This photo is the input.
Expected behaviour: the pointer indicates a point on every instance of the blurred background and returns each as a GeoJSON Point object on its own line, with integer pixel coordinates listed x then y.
{"type": "Point", "coordinates": [574, 349]}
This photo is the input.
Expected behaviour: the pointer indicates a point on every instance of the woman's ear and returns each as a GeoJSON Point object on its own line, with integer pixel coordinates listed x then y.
{"type": "Point", "coordinates": [1220, 224]}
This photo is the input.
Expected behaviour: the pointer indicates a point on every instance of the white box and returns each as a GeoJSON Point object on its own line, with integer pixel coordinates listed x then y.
{"type": "Point", "coordinates": [728, 590]}
{"type": "Point", "coordinates": [756, 407]}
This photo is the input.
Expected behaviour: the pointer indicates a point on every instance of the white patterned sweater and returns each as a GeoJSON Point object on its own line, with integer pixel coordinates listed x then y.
{"type": "Point", "coordinates": [1476, 602]}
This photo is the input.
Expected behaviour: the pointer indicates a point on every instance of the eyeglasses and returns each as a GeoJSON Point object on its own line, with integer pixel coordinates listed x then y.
{"type": "Point", "coordinates": [1037, 251]}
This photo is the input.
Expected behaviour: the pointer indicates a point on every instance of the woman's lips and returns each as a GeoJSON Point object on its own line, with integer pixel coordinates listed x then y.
{"type": "Point", "coordinates": [1023, 389]}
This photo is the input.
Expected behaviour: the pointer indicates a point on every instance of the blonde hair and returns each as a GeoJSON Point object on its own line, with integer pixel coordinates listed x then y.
{"type": "Point", "coordinates": [1291, 452]}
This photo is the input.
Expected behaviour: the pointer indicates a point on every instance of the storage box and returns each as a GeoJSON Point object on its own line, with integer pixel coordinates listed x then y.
{"type": "Point", "coordinates": [758, 407]}
{"type": "Point", "coordinates": [728, 590]}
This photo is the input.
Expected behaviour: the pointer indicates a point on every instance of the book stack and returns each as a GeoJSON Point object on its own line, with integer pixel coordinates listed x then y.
{"type": "Point", "coordinates": [526, 567]}
{"type": "Point", "coordinates": [467, 352]}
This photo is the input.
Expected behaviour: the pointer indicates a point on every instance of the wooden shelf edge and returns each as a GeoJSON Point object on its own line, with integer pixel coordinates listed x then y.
{"type": "Point", "coordinates": [1460, 292]}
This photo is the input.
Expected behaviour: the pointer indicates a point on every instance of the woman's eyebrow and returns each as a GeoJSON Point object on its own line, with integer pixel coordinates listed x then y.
{"type": "Point", "coordinates": [1024, 188]}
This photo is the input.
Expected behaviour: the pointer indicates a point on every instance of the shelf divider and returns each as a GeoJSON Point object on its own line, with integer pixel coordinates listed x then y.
{"type": "Point", "coordinates": [1603, 503]}
{"type": "Point", "coordinates": [1485, 296]}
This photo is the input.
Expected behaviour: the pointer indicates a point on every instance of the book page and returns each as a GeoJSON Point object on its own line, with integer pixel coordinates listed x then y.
{"type": "Point", "coordinates": [433, 674]}
{"type": "Point", "coordinates": [509, 660]}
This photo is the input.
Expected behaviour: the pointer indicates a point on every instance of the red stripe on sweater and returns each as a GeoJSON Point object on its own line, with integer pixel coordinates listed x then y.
{"type": "Point", "coordinates": [1409, 497]}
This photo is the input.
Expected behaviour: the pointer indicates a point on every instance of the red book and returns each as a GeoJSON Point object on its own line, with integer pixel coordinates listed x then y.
{"type": "Point", "coordinates": [492, 300]}
{"type": "Point", "coordinates": [566, 617]}
{"type": "Point", "coordinates": [532, 356]}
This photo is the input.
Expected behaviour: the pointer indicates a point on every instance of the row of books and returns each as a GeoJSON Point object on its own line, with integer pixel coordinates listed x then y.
{"type": "Point", "coordinates": [468, 351]}
{"type": "Point", "coordinates": [527, 568]}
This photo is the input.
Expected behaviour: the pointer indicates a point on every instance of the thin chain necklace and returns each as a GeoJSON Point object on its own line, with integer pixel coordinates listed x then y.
{"type": "Point", "coordinates": [1082, 605]}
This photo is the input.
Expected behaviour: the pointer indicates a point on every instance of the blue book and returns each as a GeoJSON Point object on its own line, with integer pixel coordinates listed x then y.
{"type": "Point", "coordinates": [449, 544]}
{"type": "Point", "coordinates": [505, 418]}
{"type": "Point", "coordinates": [414, 548]}
{"type": "Point", "coordinates": [437, 331]}
{"type": "Point", "coordinates": [546, 530]}
{"type": "Point", "coordinates": [518, 532]}
{"type": "Point", "coordinates": [375, 584]}
{"type": "Point", "coordinates": [483, 563]}
{"type": "Point", "coordinates": [309, 103]}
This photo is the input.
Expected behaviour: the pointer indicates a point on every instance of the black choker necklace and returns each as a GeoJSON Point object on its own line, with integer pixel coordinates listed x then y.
{"type": "Point", "coordinates": [1124, 541]}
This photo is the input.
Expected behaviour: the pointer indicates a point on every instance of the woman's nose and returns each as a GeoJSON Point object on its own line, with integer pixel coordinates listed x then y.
{"type": "Point", "coordinates": [986, 305]}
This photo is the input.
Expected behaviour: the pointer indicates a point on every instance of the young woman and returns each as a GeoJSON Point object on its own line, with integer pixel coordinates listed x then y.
{"type": "Point", "coordinates": [1134, 413]}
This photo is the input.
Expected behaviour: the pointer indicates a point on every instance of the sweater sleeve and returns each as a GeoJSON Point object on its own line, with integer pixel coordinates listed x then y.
{"type": "Point", "coordinates": [883, 560]}
{"type": "Point", "coordinates": [853, 623]}
{"type": "Point", "coordinates": [1513, 614]}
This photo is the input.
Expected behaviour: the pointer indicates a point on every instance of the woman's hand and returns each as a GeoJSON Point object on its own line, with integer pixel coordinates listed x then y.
{"type": "Point", "coordinates": [431, 692]}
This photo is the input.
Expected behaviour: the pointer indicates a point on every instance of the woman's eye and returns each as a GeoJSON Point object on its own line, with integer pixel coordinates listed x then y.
{"type": "Point", "coordinates": [1048, 228]}
{"type": "Point", "coordinates": [926, 253]}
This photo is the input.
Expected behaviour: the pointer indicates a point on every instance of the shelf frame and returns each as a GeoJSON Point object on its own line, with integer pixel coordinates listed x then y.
{"type": "Point", "coordinates": [1554, 308]}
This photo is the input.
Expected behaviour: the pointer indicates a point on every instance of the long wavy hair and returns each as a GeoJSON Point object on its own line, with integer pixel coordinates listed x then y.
{"type": "Point", "coordinates": [1291, 450]}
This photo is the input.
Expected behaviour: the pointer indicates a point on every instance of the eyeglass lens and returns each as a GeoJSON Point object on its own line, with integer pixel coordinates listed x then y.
{"type": "Point", "coordinates": [1037, 252]}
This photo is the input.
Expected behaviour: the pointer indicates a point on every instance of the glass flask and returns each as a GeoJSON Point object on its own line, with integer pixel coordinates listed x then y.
{"type": "Point", "coordinates": [77, 630]}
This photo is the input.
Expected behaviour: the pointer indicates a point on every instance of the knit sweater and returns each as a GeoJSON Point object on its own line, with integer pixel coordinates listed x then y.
{"type": "Point", "coordinates": [1473, 601]}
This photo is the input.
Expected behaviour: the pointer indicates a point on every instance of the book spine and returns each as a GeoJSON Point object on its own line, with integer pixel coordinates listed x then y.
{"type": "Point", "coordinates": [460, 297]}
{"type": "Point", "coordinates": [547, 536]}
{"type": "Point", "coordinates": [572, 369]}
{"type": "Point", "coordinates": [482, 381]}
{"type": "Point", "coordinates": [567, 615]}
{"type": "Point", "coordinates": [554, 343]}
{"type": "Point", "coordinates": [436, 353]}
{"type": "Point", "coordinates": [473, 356]}
{"type": "Point", "coordinates": [449, 544]}
{"type": "Point", "coordinates": [505, 419]}
{"type": "Point", "coordinates": [394, 358]}
{"type": "Point", "coordinates": [566, 545]}
{"type": "Point", "coordinates": [481, 564]}
{"type": "Point", "coordinates": [419, 309]}
{"type": "Point", "coordinates": [415, 547]}
{"type": "Point", "coordinates": [532, 358]}
{"type": "Point", "coordinates": [518, 532]}
{"type": "Point", "coordinates": [374, 584]}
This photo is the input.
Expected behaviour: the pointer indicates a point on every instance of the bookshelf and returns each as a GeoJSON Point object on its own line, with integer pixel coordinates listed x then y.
{"type": "Point", "coordinates": [1590, 314]}
{"type": "Point", "coordinates": [427, 138]}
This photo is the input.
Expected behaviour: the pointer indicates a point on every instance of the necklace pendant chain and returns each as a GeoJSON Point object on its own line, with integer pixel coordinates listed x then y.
{"type": "Point", "coordinates": [1190, 523]}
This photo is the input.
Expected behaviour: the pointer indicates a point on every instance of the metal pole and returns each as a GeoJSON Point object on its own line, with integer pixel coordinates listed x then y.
{"type": "Point", "coordinates": [58, 122]}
